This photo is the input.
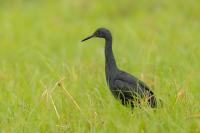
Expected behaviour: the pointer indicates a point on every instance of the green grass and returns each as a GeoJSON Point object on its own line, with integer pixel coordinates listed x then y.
{"type": "Point", "coordinates": [159, 42]}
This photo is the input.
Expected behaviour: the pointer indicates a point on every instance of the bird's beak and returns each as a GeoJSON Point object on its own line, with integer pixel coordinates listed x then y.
{"type": "Point", "coordinates": [88, 38]}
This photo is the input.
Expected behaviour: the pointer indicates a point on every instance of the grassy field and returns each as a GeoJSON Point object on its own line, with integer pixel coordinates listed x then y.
{"type": "Point", "coordinates": [50, 82]}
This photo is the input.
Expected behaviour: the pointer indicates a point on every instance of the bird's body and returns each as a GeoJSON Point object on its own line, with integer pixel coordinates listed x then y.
{"type": "Point", "coordinates": [124, 86]}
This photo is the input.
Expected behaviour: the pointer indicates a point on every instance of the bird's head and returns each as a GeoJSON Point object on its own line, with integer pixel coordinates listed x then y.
{"type": "Point", "coordinates": [100, 33]}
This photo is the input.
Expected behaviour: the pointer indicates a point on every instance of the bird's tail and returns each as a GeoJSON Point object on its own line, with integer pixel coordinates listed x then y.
{"type": "Point", "coordinates": [154, 103]}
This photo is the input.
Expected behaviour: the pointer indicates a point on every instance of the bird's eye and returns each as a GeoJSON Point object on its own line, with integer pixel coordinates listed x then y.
{"type": "Point", "coordinates": [99, 33]}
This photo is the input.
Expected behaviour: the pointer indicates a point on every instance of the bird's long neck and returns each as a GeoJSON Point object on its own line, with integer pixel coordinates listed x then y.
{"type": "Point", "coordinates": [110, 63]}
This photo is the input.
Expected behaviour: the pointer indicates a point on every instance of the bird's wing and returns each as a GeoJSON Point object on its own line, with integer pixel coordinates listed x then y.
{"type": "Point", "coordinates": [133, 88]}
{"type": "Point", "coordinates": [126, 82]}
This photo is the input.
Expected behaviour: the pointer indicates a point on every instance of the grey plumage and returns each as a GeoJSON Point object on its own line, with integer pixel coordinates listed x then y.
{"type": "Point", "coordinates": [124, 86]}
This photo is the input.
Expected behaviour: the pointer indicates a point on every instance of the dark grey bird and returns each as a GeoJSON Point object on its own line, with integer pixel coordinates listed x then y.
{"type": "Point", "coordinates": [124, 86]}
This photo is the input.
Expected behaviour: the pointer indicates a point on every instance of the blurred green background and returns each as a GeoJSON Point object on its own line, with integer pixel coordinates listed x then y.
{"type": "Point", "coordinates": [157, 41]}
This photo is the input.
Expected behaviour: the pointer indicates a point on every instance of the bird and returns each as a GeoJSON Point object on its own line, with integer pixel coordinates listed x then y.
{"type": "Point", "coordinates": [128, 89]}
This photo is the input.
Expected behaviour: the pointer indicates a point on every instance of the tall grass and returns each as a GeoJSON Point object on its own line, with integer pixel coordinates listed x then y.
{"type": "Point", "coordinates": [50, 82]}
